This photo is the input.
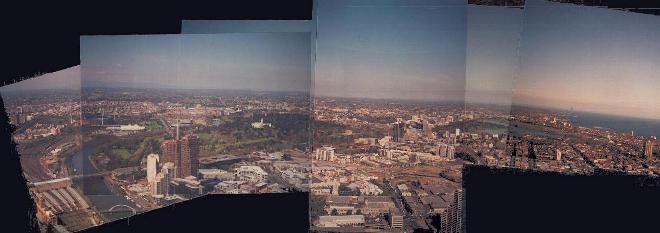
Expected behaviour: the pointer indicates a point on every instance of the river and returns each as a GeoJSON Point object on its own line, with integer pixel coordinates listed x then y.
{"type": "Point", "coordinates": [95, 188]}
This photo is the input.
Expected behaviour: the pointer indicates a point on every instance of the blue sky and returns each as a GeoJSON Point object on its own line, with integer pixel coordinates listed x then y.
{"type": "Point", "coordinates": [592, 59]}
{"type": "Point", "coordinates": [493, 37]}
{"type": "Point", "coordinates": [237, 61]}
{"type": "Point", "coordinates": [391, 49]}
{"type": "Point", "coordinates": [66, 79]}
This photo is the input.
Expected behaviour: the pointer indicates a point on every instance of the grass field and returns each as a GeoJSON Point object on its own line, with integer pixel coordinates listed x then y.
{"type": "Point", "coordinates": [153, 125]}
{"type": "Point", "coordinates": [121, 153]}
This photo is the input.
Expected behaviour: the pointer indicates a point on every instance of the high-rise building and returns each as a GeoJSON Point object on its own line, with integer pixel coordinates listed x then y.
{"type": "Point", "coordinates": [558, 155]}
{"type": "Point", "coordinates": [451, 152]}
{"type": "Point", "coordinates": [183, 154]}
{"type": "Point", "coordinates": [398, 131]}
{"type": "Point", "coordinates": [458, 132]}
{"type": "Point", "coordinates": [168, 169]}
{"type": "Point", "coordinates": [152, 167]}
{"type": "Point", "coordinates": [428, 130]}
{"type": "Point", "coordinates": [452, 220]}
{"type": "Point", "coordinates": [648, 150]}
{"type": "Point", "coordinates": [189, 156]}
{"type": "Point", "coordinates": [160, 185]}
{"type": "Point", "coordinates": [170, 151]}
{"type": "Point", "coordinates": [442, 149]}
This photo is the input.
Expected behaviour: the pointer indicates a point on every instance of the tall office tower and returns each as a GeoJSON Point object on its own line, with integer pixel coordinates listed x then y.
{"type": "Point", "coordinates": [452, 220]}
{"type": "Point", "coordinates": [514, 154]}
{"type": "Point", "coordinates": [178, 122]}
{"type": "Point", "coordinates": [531, 155]}
{"type": "Point", "coordinates": [170, 151]}
{"type": "Point", "coordinates": [160, 185]}
{"type": "Point", "coordinates": [442, 149]}
{"type": "Point", "coordinates": [152, 167]}
{"type": "Point", "coordinates": [558, 155]}
{"type": "Point", "coordinates": [648, 150]}
{"type": "Point", "coordinates": [428, 130]}
{"type": "Point", "coordinates": [450, 152]}
{"type": "Point", "coordinates": [189, 156]}
{"type": "Point", "coordinates": [398, 131]}
{"type": "Point", "coordinates": [168, 170]}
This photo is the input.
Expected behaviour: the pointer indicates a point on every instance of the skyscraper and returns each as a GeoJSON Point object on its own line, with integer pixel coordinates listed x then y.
{"type": "Point", "coordinates": [152, 167]}
{"type": "Point", "coordinates": [648, 150]}
{"type": "Point", "coordinates": [558, 155]}
{"type": "Point", "coordinates": [170, 150]}
{"type": "Point", "coordinates": [160, 185]}
{"type": "Point", "coordinates": [452, 219]}
{"type": "Point", "coordinates": [450, 152]}
{"type": "Point", "coordinates": [442, 150]}
{"type": "Point", "coordinates": [189, 156]}
{"type": "Point", "coordinates": [398, 131]}
{"type": "Point", "coordinates": [182, 153]}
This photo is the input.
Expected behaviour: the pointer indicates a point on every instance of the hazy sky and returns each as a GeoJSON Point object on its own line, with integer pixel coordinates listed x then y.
{"type": "Point", "coordinates": [66, 79]}
{"type": "Point", "coordinates": [592, 59]}
{"type": "Point", "coordinates": [493, 37]}
{"type": "Point", "coordinates": [233, 26]}
{"type": "Point", "coordinates": [239, 61]}
{"type": "Point", "coordinates": [391, 49]}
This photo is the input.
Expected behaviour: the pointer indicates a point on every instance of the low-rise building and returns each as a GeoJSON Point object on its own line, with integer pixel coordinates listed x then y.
{"type": "Point", "coordinates": [341, 221]}
{"type": "Point", "coordinates": [251, 173]}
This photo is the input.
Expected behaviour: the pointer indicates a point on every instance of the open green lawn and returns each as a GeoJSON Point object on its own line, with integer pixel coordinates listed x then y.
{"type": "Point", "coordinates": [153, 125]}
{"type": "Point", "coordinates": [205, 136]}
{"type": "Point", "coordinates": [121, 153]}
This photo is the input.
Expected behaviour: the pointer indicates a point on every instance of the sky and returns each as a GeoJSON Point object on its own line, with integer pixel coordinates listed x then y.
{"type": "Point", "coordinates": [493, 37]}
{"type": "Point", "coordinates": [66, 79]}
{"type": "Point", "coordinates": [592, 59]}
{"type": "Point", "coordinates": [230, 61]}
{"type": "Point", "coordinates": [233, 26]}
{"type": "Point", "coordinates": [391, 49]}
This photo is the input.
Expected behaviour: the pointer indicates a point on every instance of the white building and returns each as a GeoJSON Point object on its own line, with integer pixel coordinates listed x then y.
{"type": "Point", "coordinates": [325, 153]}
{"type": "Point", "coordinates": [366, 188]}
{"type": "Point", "coordinates": [325, 188]}
{"type": "Point", "coordinates": [340, 221]}
{"type": "Point", "coordinates": [168, 169]}
{"type": "Point", "coordinates": [152, 167]}
{"type": "Point", "coordinates": [160, 185]}
{"type": "Point", "coordinates": [385, 140]}
{"type": "Point", "coordinates": [214, 174]}
{"type": "Point", "coordinates": [251, 173]}
{"type": "Point", "coordinates": [558, 155]}
{"type": "Point", "coordinates": [260, 124]}
{"type": "Point", "coordinates": [126, 127]}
